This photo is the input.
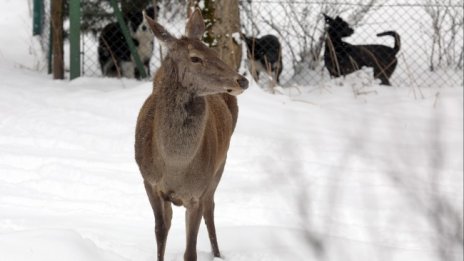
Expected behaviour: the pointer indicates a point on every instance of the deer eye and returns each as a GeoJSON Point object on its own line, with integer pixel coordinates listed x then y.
{"type": "Point", "coordinates": [195, 59]}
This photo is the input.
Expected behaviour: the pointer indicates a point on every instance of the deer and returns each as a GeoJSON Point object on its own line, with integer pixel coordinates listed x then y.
{"type": "Point", "coordinates": [183, 132]}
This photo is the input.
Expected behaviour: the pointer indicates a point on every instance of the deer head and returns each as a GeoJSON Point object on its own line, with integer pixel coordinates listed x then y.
{"type": "Point", "coordinates": [198, 67]}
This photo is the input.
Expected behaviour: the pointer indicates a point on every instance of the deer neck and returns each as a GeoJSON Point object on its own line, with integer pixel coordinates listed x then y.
{"type": "Point", "coordinates": [182, 121]}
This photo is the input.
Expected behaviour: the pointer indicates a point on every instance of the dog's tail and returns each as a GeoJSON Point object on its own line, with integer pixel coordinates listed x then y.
{"type": "Point", "coordinates": [397, 39]}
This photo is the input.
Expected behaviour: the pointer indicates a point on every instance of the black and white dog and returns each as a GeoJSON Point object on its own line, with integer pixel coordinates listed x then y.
{"type": "Point", "coordinates": [264, 55]}
{"type": "Point", "coordinates": [114, 54]}
{"type": "Point", "coordinates": [342, 58]}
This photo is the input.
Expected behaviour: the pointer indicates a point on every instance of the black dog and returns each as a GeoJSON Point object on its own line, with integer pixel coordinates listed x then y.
{"type": "Point", "coordinates": [342, 58]}
{"type": "Point", "coordinates": [264, 55]}
{"type": "Point", "coordinates": [113, 51]}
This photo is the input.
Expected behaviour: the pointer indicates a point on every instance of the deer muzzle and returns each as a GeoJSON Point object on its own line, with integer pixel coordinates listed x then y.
{"type": "Point", "coordinates": [242, 84]}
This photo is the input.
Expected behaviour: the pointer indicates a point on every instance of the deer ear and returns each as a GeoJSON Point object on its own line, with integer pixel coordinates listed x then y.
{"type": "Point", "coordinates": [195, 26]}
{"type": "Point", "coordinates": [160, 32]}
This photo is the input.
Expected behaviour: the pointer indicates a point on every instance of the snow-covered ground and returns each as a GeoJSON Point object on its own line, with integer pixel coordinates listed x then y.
{"type": "Point", "coordinates": [327, 172]}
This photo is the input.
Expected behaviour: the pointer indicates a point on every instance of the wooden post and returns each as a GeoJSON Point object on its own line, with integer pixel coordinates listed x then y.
{"type": "Point", "coordinates": [57, 38]}
{"type": "Point", "coordinates": [74, 39]}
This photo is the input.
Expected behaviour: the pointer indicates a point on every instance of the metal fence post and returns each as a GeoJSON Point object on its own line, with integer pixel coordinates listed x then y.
{"type": "Point", "coordinates": [128, 38]}
{"type": "Point", "coordinates": [38, 10]}
{"type": "Point", "coordinates": [50, 49]}
{"type": "Point", "coordinates": [74, 38]}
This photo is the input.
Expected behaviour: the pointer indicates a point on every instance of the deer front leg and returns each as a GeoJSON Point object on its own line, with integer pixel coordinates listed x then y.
{"type": "Point", "coordinates": [208, 214]}
{"type": "Point", "coordinates": [163, 213]}
{"type": "Point", "coordinates": [192, 223]}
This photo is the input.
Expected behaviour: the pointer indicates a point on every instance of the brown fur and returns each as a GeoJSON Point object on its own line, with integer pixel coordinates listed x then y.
{"type": "Point", "coordinates": [183, 132]}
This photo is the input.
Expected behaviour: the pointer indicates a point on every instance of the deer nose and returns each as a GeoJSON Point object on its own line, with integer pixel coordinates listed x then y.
{"type": "Point", "coordinates": [242, 82]}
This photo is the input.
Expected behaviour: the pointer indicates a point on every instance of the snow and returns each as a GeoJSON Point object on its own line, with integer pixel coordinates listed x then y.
{"type": "Point", "coordinates": [345, 170]}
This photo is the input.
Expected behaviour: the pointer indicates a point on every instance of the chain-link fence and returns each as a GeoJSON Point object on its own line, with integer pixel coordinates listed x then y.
{"type": "Point", "coordinates": [422, 44]}
{"type": "Point", "coordinates": [296, 42]}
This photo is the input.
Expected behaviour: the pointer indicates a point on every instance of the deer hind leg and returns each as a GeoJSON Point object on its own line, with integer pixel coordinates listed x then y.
{"type": "Point", "coordinates": [192, 224]}
{"type": "Point", "coordinates": [163, 213]}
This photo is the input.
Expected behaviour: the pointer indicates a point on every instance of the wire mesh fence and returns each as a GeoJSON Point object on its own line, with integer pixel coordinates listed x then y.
{"type": "Point", "coordinates": [298, 42]}
{"type": "Point", "coordinates": [422, 44]}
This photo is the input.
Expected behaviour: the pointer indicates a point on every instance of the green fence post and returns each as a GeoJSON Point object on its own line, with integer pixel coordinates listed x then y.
{"type": "Point", "coordinates": [127, 36]}
{"type": "Point", "coordinates": [50, 49]}
{"type": "Point", "coordinates": [38, 9]}
{"type": "Point", "coordinates": [74, 38]}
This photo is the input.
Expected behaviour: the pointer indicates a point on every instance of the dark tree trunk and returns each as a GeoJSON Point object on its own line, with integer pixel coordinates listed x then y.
{"type": "Point", "coordinates": [57, 39]}
{"type": "Point", "coordinates": [222, 19]}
